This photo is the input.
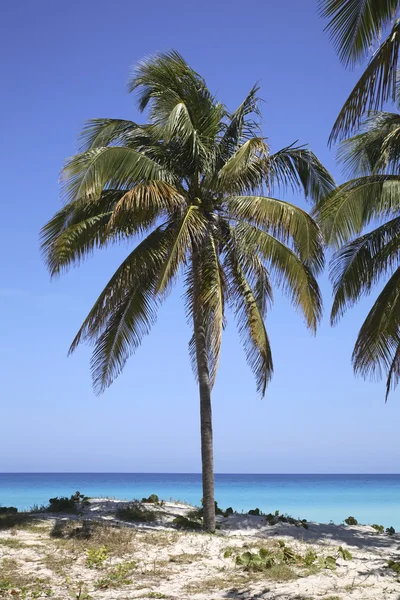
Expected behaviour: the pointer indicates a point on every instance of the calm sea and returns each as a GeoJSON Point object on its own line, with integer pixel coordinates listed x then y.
{"type": "Point", "coordinates": [321, 498]}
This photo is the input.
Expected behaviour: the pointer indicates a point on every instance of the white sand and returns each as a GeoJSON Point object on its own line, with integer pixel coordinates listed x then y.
{"type": "Point", "coordinates": [179, 564]}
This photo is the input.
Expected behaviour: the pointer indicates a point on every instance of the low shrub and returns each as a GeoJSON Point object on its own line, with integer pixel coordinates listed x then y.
{"type": "Point", "coordinates": [378, 528]}
{"type": "Point", "coordinates": [276, 517]}
{"type": "Point", "coordinates": [390, 530]}
{"type": "Point", "coordinates": [153, 499]}
{"type": "Point", "coordinates": [117, 576]}
{"type": "Point", "coordinates": [255, 512]}
{"type": "Point", "coordinates": [8, 510]}
{"type": "Point", "coordinates": [344, 554]}
{"type": "Point", "coordinates": [185, 523]}
{"type": "Point", "coordinates": [136, 513]}
{"type": "Point", "coordinates": [351, 521]}
{"type": "Point", "coordinates": [395, 566]}
{"type": "Point", "coordinates": [63, 504]}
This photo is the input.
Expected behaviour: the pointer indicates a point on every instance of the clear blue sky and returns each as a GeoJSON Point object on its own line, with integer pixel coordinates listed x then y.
{"type": "Point", "coordinates": [66, 62]}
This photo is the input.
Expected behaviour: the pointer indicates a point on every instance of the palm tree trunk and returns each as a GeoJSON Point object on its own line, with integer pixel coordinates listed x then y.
{"type": "Point", "coordinates": [207, 457]}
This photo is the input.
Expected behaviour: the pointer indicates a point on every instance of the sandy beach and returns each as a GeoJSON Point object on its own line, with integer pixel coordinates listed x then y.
{"type": "Point", "coordinates": [95, 555]}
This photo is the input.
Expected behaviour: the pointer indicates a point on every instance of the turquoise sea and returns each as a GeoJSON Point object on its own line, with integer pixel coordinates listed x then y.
{"type": "Point", "coordinates": [321, 498]}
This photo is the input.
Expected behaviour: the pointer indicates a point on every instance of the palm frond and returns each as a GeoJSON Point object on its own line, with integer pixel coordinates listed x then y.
{"type": "Point", "coordinates": [376, 149]}
{"type": "Point", "coordinates": [356, 203]}
{"type": "Point", "coordinates": [99, 133]}
{"type": "Point", "coordinates": [245, 169]}
{"type": "Point", "coordinates": [360, 264]}
{"type": "Point", "coordinates": [282, 219]}
{"type": "Point", "coordinates": [376, 86]}
{"type": "Point", "coordinates": [250, 320]}
{"type": "Point", "coordinates": [379, 337]}
{"type": "Point", "coordinates": [89, 173]}
{"type": "Point", "coordinates": [188, 230]}
{"type": "Point", "coordinates": [354, 25]}
{"type": "Point", "coordinates": [298, 168]}
{"type": "Point", "coordinates": [289, 272]}
{"type": "Point", "coordinates": [393, 377]}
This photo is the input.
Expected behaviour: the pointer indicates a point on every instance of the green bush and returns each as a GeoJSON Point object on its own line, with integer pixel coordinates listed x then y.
{"type": "Point", "coordinates": [255, 512]}
{"type": "Point", "coordinates": [185, 523]}
{"type": "Point", "coordinates": [63, 504]}
{"type": "Point", "coordinates": [310, 557]}
{"type": "Point", "coordinates": [390, 530]}
{"type": "Point", "coordinates": [136, 513]}
{"type": "Point", "coordinates": [378, 528]}
{"type": "Point", "coordinates": [228, 511]}
{"type": "Point", "coordinates": [152, 499]}
{"type": "Point", "coordinates": [351, 521]}
{"type": "Point", "coordinates": [276, 517]}
{"type": "Point", "coordinates": [8, 510]}
{"type": "Point", "coordinates": [395, 566]}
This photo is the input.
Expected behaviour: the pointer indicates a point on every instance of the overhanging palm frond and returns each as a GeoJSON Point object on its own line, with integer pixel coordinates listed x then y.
{"type": "Point", "coordinates": [379, 337]}
{"type": "Point", "coordinates": [394, 373]}
{"type": "Point", "coordinates": [360, 264]}
{"type": "Point", "coordinates": [376, 86]}
{"type": "Point", "coordinates": [245, 170]}
{"type": "Point", "coordinates": [376, 149]}
{"type": "Point", "coordinates": [298, 167]}
{"type": "Point", "coordinates": [355, 24]}
{"type": "Point", "coordinates": [99, 133]}
{"type": "Point", "coordinates": [356, 203]}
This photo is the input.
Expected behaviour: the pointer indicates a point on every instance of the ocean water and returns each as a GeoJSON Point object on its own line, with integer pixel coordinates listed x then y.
{"type": "Point", "coordinates": [321, 498]}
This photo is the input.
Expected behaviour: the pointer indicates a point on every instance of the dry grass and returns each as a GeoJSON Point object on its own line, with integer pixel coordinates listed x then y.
{"type": "Point", "coordinates": [20, 583]}
{"type": "Point", "coordinates": [185, 558]}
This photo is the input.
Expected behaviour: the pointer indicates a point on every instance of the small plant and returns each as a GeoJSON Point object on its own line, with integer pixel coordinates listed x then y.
{"type": "Point", "coordinates": [118, 576]}
{"type": "Point", "coordinates": [378, 528]}
{"type": "Point", "coordinates": [351, 521]}
{"type": "Point", "coordinates": [81, 592]}
{"type": "Point", "coordinates": [136, 513]}
{"type": "Point", "coordinates": [185, 523]}
{"type": "Point", "coordinates": [395, 566]}
{"type": "Point", "coordinates": [390, 530]}
{"type": "Point", "coordinates": [153, 499]}
{"type": "Point", "coordinates": [228, 553]}
{"type": "Point", "coordinates": [276, 517]}
{"type": "Point", "coordinates": [255, 512]}
{"type": "Point", "coordinates": [156, 595]}
{"type": "Point", "coordinates": [228, 511]}
{"type": "Point", "coordinates": [95, 557]}
{"type": "Point", "coordinates": [327, 562]}
{"type": "Point", "coordinates": [344, 554]}
{"type": "Point", "coordinates": [310, 557]}
{"type": "Point", "coordinates": [281, 543]}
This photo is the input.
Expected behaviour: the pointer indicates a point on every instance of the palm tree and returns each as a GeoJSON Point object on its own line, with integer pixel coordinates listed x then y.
{"type": "Point", "coordinates": [355, 26]}
{"type": "Point", "coordinates": [188, 188]}
{"type": "Point", "coordinates": [369, 201]}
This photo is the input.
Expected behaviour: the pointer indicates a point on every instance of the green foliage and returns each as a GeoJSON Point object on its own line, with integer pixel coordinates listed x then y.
{"type": "Point", "coordinates": [156, 595]}
{"type": "Point", "coordinates": [95, 557]}
{"type": "Point", "coordinates": [228, 511]}
{"type": "Point", "coordinates": [185, 523]}
{"type": "Point", "coordinates": [118, 576]}
{"type": "Point", "coordinates": [310, 557]}
{"type": "Point", "coordinates": [136, 513]}
{"type": "Point", "coordinates": [395, 566]}
{"type": "Point", "coordinates": [69, 505]}
{"type": "Point", "coordinates": [228, 553]}
{"type": "Point", "coordinates": [390, 530]}
{"type": "Point", "coordinates": [255, 511]}
{"type": "Point", "coordinates": [327, 562]}
{"type": "Point", "coordinates": [378, 528]}
{"type": "Point", "coordinates": [5, 510]}
{"type": "Point", "coordinates": [152, 499]}
{"type": "Point", "coordinates": [344, 554]}
{"type": "Point", "coordinates": [276, 517]}
{"type": "Point", "coordinates": [351, 521]}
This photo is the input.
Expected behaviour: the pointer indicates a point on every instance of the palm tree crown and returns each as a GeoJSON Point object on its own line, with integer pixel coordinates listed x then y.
{"type": "Point", "coordinates": [356, 26]}
{"type": "Point", "coordinates": [370, 200]}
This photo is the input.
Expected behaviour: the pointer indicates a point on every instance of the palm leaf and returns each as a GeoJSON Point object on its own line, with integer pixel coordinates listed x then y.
{"type": "Point", "coordinates": [360, 264]}
{"type": "Point", "coordinates": [376, 86]}
{"type": "Point", "coordinates": [355, 24]}
{"type": "Point", "coordinates": [379, 337]}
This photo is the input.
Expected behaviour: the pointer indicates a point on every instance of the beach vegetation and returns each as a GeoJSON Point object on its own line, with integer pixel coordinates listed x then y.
{"type": "Point", "coordinates": [184, 523]}
{"type": "Point", "coordinates": [395, 566]}
{"type": "Point", "coordinates": [390, 530]}
{"type": "Point", "coordinates": [378, 528]}
{"type": "Point", "coordinates": [153, 499]}
{"type": "Point", "coordinates": [276, 517]}
{"type": "Point", "coordinates": [344, 554]}
{"type": "Point", "coordinates": [96, 557]}
{"type": "Point", "coordinates": [351, 521]}
{"type": "Point", "coordinates": [118, 576]}
{"type": "Point", "coordinates": [135, 512]}
{"type": "Point", "coordinates": [194, 187]}
{"type": "Point", "coordinates": [5, 510]}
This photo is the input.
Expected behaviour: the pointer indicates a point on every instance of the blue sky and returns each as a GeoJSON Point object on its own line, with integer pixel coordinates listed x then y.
{"type": "Point", "coordinates": [67, 62]}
